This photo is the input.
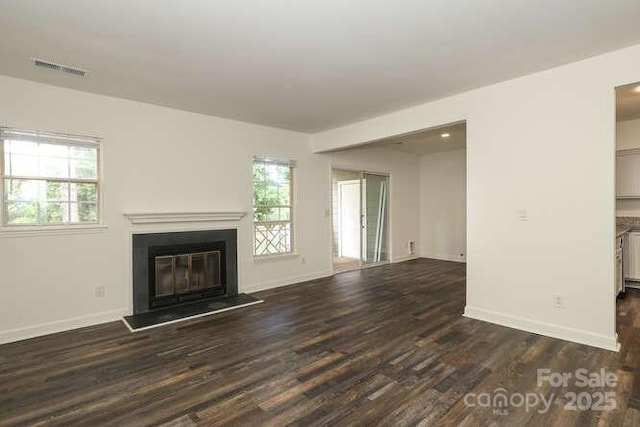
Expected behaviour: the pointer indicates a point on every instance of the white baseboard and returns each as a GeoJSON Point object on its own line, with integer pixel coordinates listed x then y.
{"type": "Point", "coordinates": [546, 329]}
{"type": "Point", "coordinates": [444, 257]}
{"type": "Point", "coordinates": [405, 258]}
{"type": "Point", "coordinates": [20, 334]}
{"type": "Point", "coordinates": [277, 283]}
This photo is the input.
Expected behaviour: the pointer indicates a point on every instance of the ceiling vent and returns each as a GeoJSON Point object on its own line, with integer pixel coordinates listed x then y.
{"type": "Point", "coordinates": [46, 65]}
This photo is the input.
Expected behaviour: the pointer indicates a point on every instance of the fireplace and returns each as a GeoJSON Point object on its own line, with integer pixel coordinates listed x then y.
{"type": "Point", "coordinates": [172, 269]}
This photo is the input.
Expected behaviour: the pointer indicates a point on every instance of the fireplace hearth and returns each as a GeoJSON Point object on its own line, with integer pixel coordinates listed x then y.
{"type": "Point", "coordinates": [171, 269]}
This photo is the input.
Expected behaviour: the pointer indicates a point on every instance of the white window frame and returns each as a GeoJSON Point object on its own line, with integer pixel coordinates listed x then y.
{"type": "Point", "coordinates": [291, 164]}
{"type": "Point", "coordinates": [10, 133]}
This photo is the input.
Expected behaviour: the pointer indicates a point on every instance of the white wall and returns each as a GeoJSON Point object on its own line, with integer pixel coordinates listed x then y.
{"type": "Point", "coordinates": [543, 143]}
{"type": "Point", "coordinates": [155, 159]}
{"type": "Point", "coordinates": [628, 137]}
{"type": "Point", "coordinates": [158, 159]}
{"type": "Point", "coordinates": [443, 205]}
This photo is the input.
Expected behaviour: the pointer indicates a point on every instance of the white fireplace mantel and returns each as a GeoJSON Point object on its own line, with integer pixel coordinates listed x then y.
{"type": "Point", "coordinates": [183, 217]}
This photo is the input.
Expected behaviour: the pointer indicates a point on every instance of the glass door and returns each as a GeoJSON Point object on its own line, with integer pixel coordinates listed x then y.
{"type": "Point", "coordinates": [375, 218]}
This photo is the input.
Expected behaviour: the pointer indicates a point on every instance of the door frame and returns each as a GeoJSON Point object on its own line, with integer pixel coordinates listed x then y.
{"type": "Point", "coordinates": [351, 168]}
{"type": "Point", "coordinates": [363, 247]}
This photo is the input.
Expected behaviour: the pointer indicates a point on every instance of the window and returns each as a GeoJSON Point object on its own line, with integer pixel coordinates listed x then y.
{"type": "Point", "coordinates": [272, 206]}
{"type": "Point", "coordinates": [49, 179]}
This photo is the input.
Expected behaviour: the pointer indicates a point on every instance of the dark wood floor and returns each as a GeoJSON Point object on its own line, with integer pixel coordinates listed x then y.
{"type": "Point", "coordinates": [382, 346]}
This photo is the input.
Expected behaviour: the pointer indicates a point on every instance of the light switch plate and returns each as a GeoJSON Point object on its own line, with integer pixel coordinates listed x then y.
{"type": "Point", "coordinates": [522, 215]}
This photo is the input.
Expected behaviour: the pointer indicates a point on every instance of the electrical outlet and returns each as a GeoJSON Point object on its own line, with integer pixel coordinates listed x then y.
{"type": "Point", "coordinates": [411, 247]}
{"type": "Point", "coordinates": [558, 301]}
{"type": "Point", "coordinates": [303, 260]}
{"type": "Point", "coordinates": [99, 291]}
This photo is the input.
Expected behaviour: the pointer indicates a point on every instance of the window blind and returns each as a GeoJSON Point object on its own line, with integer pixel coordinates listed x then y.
{"type": "Point", "coordinates": [8, 133]}
{"type": "Point", "coordinates": [275, 161]}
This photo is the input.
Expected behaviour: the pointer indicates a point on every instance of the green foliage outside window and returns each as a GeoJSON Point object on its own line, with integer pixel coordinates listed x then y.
{"type": "Point", "coordinates": [271, 192]}
{"type": "Point", "coordinates": [272, 208]}
{"type": "Point", "coordinates": [49, 183]}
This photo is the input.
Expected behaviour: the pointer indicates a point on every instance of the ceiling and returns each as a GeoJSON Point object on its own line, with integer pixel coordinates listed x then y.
{"type": "Point", "coordinates": [303, 64]}
{"type": "Point", "coordinates": [628, 102]}
{"type": "Point", "coordinates": [425, 141]}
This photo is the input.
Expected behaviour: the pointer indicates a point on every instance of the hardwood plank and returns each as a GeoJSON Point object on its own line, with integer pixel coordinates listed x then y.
{"type": "Point", "coordinates": [381, 346]}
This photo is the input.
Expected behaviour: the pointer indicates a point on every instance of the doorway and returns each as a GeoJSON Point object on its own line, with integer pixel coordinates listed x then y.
{"type": "Point", "coordinates": [627, 238]}
{"type": "Point", "coordinates": [349, 219]}
{"type": "Point", "coordinates": [360, 219]}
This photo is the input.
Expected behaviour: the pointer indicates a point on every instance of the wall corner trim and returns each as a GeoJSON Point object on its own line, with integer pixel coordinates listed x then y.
{"type": "Point", "coordinates": [541, 328]}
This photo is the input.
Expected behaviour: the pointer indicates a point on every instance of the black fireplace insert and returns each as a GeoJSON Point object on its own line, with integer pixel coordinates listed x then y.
{"type": "Point", "coordinates": [176, 268]}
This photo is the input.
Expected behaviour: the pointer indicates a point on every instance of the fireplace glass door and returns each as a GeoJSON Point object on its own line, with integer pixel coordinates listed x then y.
{"type": "Point", "coordinates": [187, 273]}
{"type": "Point", "coordinates": [181, 273]}
{"type": "Point", "coordinates": [164, 276]}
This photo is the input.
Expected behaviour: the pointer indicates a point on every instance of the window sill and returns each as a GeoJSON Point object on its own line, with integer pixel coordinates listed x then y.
{"type": "Point", "coordinates": [275, 257]}
{"type": "Point", "coordinates": [27, 230]}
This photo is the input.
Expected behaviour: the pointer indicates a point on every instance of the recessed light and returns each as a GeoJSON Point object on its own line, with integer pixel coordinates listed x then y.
{"type": "Point", "coordinates": [445, 135]}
